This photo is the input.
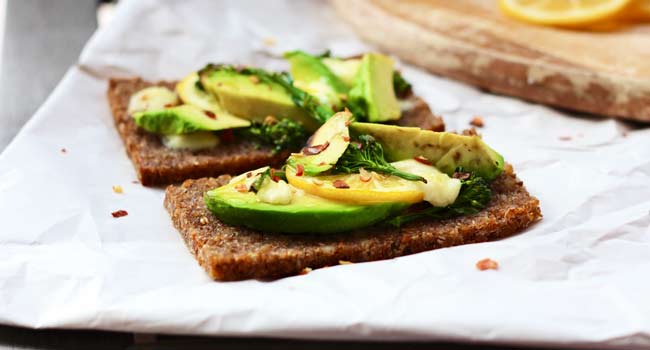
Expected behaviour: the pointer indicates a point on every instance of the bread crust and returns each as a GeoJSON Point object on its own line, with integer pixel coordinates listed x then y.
{"type": "Point", "coordinates": [230, 253]}
{"type": "Point", "coordinates": [158, 165]}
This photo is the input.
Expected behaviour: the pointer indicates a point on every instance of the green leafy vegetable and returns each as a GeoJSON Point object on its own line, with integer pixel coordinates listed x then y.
{"type": "Point", "coordinates": [326, 54]}
{"type": "Point", "coordinates": [367, 153]}
{"type": "Point", "coordinates": [283, 134]}
{"type": "Point", "coordinates": [475, 194]}
{"type": "Point", "coordinates": [300, 98]}
{"type": "Point", "coordinates": [401, 86]}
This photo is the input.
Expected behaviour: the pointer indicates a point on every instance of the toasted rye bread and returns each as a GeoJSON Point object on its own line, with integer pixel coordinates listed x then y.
{"type": "Point", "coordinates": [233, 253]}
{"type": "Point", "coordinates": [158, 165]}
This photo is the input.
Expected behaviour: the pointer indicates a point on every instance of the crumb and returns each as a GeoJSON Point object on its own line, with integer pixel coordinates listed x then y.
{"type": "Point", "coordinates": [470, 132]}
{"type": "Point", "coordinates": [203, 220]}
{"type": "Point", "coordinates": [269, 41]}
{"type": "Point", "coordinates": [118, 189]}
{"type": "Point", "coordinates": [306, 270]}
{"type": "Point", "coordinates": [487, 264]}
{"type": "Point", "coordinates": [477, 121]}
{"type": "Point", "coordinates": [565, 138]}
{"type": "Point", "coordinates": [270, 120]}
{"type": "Point", "coordinates": [345, 262]}
{"type": "Point", "coordinates": [64, 151]}
{"type": "Point", "coordinates": [119, 213]}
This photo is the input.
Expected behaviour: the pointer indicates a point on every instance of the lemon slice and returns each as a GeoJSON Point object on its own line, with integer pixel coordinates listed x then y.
{"type": "Point", "coordinates": [364, 188]}
{"type": "Point", "coordinates": [563, 12]}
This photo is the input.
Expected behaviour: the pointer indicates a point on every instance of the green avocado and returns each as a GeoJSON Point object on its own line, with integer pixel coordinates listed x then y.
{"type": "Point", "coordinates": [325, 146]}
{"type": "Point", "coordinates": [345, 70]}
{"type": "Point", "coordinates": [445, 151]}
{"type": "Point", "coordinates": [246, 96]}
{"type": "Point", "coordinates": [373, 88]}
{"type": "Point", "coordinates": [185, 119]}
{"type": "Point", "coordinates": [313, 76]}
{"type": "Point", "coordinates": [152, 98]}
{"type": "Point", "coordinates": [305, 214]}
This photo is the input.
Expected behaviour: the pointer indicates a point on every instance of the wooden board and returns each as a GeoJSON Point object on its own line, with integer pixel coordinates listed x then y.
{"type": "Point", "coordinates": [606, 73]}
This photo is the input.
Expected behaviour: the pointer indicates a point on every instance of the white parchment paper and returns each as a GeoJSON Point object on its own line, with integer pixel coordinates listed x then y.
{"type": "Point", "coordinates": [579, 277]}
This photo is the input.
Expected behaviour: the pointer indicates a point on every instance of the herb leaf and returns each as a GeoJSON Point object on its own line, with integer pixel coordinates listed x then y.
{"type": "Point", "coordinates": [401, 86]}
{"type": "Point", "coordinates": [367, 153]}
{"type": "Point", "coordinates": [283, 134]}
{"type": "Point", "coordinates": [475, 194]}
{"type": "Point", "coordinates": [272, 174]}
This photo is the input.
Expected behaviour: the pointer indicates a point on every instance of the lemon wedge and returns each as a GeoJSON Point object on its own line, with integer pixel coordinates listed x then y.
{"type": "Point", "coordinates": [363, 188]}
{"type": "Point", "coordinates": [563, 12]}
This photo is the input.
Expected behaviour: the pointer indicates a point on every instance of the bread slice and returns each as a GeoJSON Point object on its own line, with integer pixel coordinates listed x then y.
{"type": "Point", "coordinates": [158, 165]}
{"type": "Point", "coordinates": [234, 253]}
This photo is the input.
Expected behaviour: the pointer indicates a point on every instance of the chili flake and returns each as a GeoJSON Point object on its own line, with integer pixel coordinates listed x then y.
{"type": "Point", "coordinates": [477, 121]}
{"type": "Point", "coordinates": [340, 184]}
{"type": "Point", "coordinates": [210, 114]}
{"type": "Point", "coordinates": [300, 169]}
{"type": "Point", "coordinates": [316, 149]}
{"type": "Point", "coordinates": [487, 264]}
{"type": "Point", "coordinates": [422, 160]}
{"type": "Point", "coordinates": [119, 213]}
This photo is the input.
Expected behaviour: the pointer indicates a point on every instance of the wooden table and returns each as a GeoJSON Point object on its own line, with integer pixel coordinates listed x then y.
{"type": "Point", "coordinates": [42, 39]}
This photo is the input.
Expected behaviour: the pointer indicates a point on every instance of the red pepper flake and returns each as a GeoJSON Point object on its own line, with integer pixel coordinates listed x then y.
{"type": "Point", "coordinates": [316, 149]}
{"type": "Point", "coordinates": [461, 175]}
{"type": "Point", "coordinates": [64, 151]}
{"type": "Point", "coordinates": [346, 138]}
{"type": "Point", "coordinates": [321, 163]}
{"type": "Point", "coordinates": [477, 121]}
{"type": "Point", "coordinates": [300, 169]}
{"type": "Point", "coordinates": [168, 105]}
{"type": "Point", "coordinates": [487, 264]}
{"type": "Point", "coordinates": [227, 136]}
{"type": "Point", "coordinates": [210, 114]}
{"type": "Point", "coordinates": [348, 122]}
{"type": "Point", "coordinates": [273, 177]}
{"type": "Point", "coordinates": [422, 160]}
{"type": "Point", "coordinates": [340, 184]}
{"type": "Point", "coordinates": [249, 174]}
{"type": "Point", "coordinates": [119, 213]}
{"type": "Point", "coordinates": [565, 138]}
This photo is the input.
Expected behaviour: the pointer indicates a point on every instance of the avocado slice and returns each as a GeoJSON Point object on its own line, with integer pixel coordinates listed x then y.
{"type": "Point", "coordinates": [373, 88]}
{"type": "Point", "coordinates": [326, 146]}
{"type": "Point", "coordinates": [152, 98]}
{"type": "Point", "coordinates": [445, 151]}
{"type": "Point", "coordinates": [185, 119]}
{"type": "Point", "coordinates": [313, 76]}
{"type": "Point", "coordinates": [246, 96]}
{"type": "Point", "coordinates": [345, 70]}
{"type": "Point", "coordinates": [305, 214]}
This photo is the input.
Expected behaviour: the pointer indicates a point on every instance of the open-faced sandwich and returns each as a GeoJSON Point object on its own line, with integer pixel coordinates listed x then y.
{"type": "Point", "coordinates": [355, 192]}
{"type": "Point", "coordinates": [228, 119]}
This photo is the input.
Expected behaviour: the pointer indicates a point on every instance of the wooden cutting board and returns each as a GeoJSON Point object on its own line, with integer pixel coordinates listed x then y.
{"type": "Point", "coordinates": [606, 73]}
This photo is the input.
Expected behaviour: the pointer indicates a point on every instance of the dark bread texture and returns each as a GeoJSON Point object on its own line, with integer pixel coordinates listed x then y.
{"type": "Point", "coordinates": [158, 165]}
{"type": "Point", "coordinates": [234, 253]}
